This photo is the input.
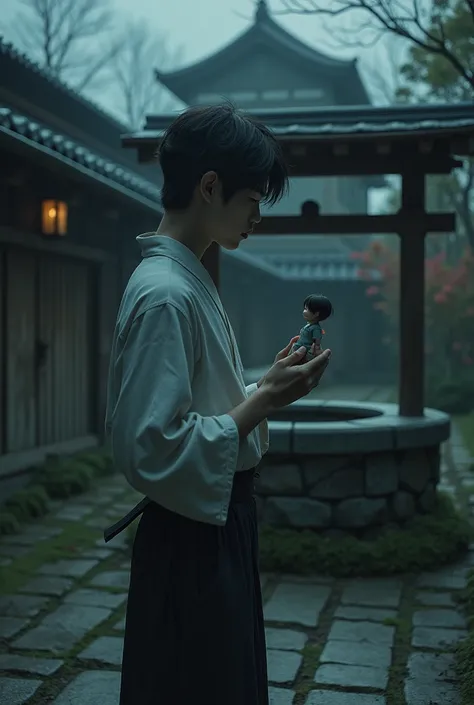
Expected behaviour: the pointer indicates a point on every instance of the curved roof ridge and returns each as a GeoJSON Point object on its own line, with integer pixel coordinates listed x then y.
{"type": "Point", "coordinates": [264, 25]}
{"type": "Point", "coordinates": [210, 58]}
{"type": "Point", "coordinates": [7, 48]}
{"type": "Point", "coordinates": [300, 45]}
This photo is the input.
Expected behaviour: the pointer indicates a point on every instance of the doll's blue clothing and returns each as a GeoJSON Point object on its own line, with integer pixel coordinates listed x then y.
{"type": "Point", "coordinates": [309, 334]}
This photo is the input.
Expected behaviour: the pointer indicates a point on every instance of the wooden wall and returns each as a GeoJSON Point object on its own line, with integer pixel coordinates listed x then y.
{"type": "Point", "coordinates": [48, 338]}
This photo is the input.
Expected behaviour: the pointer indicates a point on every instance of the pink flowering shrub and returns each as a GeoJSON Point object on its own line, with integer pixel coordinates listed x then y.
{"type": "Point", "coordinates": [449, 308]}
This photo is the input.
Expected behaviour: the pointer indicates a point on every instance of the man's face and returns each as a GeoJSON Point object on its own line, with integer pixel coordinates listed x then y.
{"type": "Point", "coordinates": [239, 217]}
{"type": "Point", "coordinates": [232, 222]}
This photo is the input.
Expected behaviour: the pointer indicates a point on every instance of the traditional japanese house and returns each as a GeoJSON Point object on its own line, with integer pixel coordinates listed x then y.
{"type": "Point", "coordinates": [72, 200]}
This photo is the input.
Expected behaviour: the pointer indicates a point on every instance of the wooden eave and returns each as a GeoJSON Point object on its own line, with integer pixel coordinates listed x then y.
{"type": "Point", "coordinates": [355, 155]}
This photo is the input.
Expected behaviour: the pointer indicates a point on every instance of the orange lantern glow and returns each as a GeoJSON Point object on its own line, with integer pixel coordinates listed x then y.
{"type": "Point", "coordinates": [54, 218]}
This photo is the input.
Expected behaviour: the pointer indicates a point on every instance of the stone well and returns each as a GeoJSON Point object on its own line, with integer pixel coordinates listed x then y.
{"type": "Point", "coordinates": [346, 467]}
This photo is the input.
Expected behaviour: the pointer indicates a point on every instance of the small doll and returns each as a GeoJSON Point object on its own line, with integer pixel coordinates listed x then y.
{"type": "Point", "coordinates": [316, 309]}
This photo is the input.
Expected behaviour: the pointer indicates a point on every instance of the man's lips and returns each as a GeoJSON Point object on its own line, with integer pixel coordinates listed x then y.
{"type": "Point", "coordinates": [249, 232]}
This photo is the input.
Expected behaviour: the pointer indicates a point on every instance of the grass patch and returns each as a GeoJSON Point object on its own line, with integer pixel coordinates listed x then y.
{"type": "Point", "coordinates": [401, 650]}
{"type": "Point", "coordinates": [465, 649]}
{"type": "Point", "coordinates": [29, 503]}
{"type": "Point", "coordinates": [58, 478]}
{"type": "Point", "coordinates": [75, 538]}
{"type": "Point", "coordinates": [311, 654]}
{"type": "Point", "coordinates": [427, 542]}
{"type": "Point", "coordinates": [465, 424]}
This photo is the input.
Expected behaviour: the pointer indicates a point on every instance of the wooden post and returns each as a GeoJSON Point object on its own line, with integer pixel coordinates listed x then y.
{"type": "Point", "coordinates": [211, 262]}
{"type": "Point", "coordinates": [412, 299]}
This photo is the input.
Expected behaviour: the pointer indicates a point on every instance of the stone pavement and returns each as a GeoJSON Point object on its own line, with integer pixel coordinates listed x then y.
{"type": "Point", "coordinates": [330, 642]}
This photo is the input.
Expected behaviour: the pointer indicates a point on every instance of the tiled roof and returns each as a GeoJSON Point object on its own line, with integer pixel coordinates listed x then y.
{"type": "Point", "coordinates": [343, 121]}
{"type": "Point", "coordinates": [8, 50]}
{"type": "Point", "coordinates": [317, 268]}
{"type": "Point", "coordinates": [366, 128]}
{"type": "Point", "coordinates": [13, 122]}
{"type": "Point", "coordinates": [340, 271]}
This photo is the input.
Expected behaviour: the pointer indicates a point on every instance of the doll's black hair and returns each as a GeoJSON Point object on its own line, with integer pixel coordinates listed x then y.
{"type": "Point", "coordinates": [317, 303]}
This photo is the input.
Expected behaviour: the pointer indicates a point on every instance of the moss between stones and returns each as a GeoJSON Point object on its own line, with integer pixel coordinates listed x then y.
{"type": "Point", "coordinates": [426, 542]}
{"type": "Point", "coordinates": [58, 478]}
{"type": "Point", "coordinates": [69, 545]}
{"type": "Point", "coordinates": [311, 653]}
{"type": "Point", "coordinates": [465, 649]}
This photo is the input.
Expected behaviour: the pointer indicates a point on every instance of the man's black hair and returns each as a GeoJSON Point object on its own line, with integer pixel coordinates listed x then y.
{"type": "Point", "coordinates": [242, 151]}
{"type": "Point", "coordinates": [317, 303]}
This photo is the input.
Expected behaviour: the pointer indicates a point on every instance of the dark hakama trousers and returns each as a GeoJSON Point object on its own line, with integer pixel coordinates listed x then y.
{"type": "Point", "coordinates": [194, 630]}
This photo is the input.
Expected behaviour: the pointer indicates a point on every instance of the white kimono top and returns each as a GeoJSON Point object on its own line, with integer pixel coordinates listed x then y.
{"type": "Point", "coordinates": [175, 373]}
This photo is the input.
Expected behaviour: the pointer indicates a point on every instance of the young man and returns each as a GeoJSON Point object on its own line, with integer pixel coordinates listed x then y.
{"type": "Point", "coordinates": [187, 433]}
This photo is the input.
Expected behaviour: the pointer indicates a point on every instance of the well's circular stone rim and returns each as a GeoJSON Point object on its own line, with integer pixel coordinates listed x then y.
{"type": "Point", "coordinates": [384, 430]}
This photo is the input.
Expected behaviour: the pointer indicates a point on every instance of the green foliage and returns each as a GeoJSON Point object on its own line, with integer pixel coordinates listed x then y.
{"type": "Point", "coordinates": [9, 524]}
{"type": "Point", "coordinates": [449, 316]}
{"type": "Point", "coordinates": [465, 424]}
{"type": "Point", "coordinates": [29, 502]}
{"type": "Point", "coordinates": [431, 74]}
{"type": "Point", "coordinates": [426, 542]}
{"type": "Point", "coordinates": [454, 396]}
{"type": "Point", "coordinates": [441, 69]}
{"type": "Point", "coordinates": [58, 478]}
{"type": "Point", "coordinates": [66, 478]}
{"type": "Point", "coordinates": [465, 649]}
{"type": "Point", "coordinates": [101, 461]}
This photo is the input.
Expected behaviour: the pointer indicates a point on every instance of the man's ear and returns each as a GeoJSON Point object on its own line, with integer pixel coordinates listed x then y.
{"type": "Point", "coordinates": [208, 185]}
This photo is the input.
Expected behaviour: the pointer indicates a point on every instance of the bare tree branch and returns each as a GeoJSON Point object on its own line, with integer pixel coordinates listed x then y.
{"type": "Point", "coordinates": [410, 20]}
{"type": "Point", "coordinates": [98, 65]}
{"type": "Point", "coordinates": [59, 34]}
{"type": "Point", "coordinates": [138, 92]}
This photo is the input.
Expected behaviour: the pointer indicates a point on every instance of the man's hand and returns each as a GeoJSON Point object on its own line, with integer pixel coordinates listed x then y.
{"type": "Point", "coordinates": [286, 351]}
{"type": "Point", "coordinates": [291, 379]}
{"type": "Point", "coordinates": [315, 350]}
{"type": "Point", "coordinates": [281, 355]}
{"type": "Point", "coordinates": [285, 382]}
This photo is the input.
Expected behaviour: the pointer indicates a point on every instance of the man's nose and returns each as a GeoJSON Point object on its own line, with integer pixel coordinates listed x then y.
{"type": "Point", "coordinates": [257, 217]}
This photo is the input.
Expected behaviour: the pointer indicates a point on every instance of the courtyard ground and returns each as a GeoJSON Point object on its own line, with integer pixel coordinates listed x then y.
{"type": "Point", "coordinates": [330, 642]}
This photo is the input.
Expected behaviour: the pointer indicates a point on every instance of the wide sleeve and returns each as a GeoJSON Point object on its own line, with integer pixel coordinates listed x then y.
{"type": "Point", "coordinates": [251, 388]}
{"type": "Point", "coordinates": [263, 432]}
{"type": "Point", "coordinates": [183, 461]}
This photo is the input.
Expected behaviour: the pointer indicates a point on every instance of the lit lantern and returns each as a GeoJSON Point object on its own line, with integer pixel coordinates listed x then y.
{"type": "Point", "coordinates": [54, 218]}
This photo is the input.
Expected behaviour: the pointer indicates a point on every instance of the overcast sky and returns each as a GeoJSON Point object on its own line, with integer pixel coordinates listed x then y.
{"type": "Point", "coordinates": [201, 27]}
